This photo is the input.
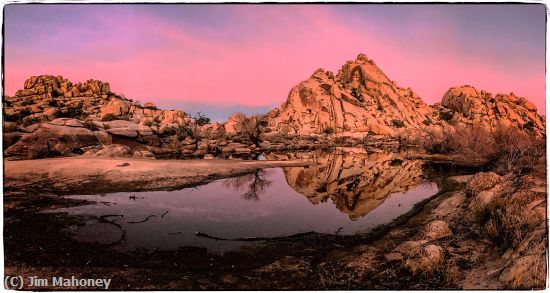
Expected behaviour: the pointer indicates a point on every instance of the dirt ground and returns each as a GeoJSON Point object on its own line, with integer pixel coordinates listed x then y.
{"type": "Point", "coordinates": [73, 175]}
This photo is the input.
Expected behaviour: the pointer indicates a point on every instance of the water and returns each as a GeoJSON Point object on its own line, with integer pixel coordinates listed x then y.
{"type": "Point", "coordinates": [336, 196]}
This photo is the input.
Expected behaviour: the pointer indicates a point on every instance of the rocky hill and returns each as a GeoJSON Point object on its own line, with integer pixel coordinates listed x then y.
{"type": "Point", "coordinates": [52, 116]}
{"type": "Point", "coordinates": [360, 99]}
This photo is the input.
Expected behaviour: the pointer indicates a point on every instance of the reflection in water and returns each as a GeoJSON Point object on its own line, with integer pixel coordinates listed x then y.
{"type": "Point", "coordinates": [356, 181]}
{"type": "Point", "coordinates": [255, 184]}
{"type": "Point", "coordinates": [370, 189]}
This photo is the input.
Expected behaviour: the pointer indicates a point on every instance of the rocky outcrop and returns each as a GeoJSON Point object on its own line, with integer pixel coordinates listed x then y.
{"type": "Point", "coordinates": [467, 105]}
{"type": "Point", "coordinates": [360, 99]}
{"type": "Point", "coordinates": [58, 137]}
{"type": "Point", "coordinates": [358, 102]}
{"type": "Point", "coordinates": [53, 116]}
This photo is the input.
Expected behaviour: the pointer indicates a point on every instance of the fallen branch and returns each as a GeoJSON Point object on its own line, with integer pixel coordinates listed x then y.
{"type": "Point", "coordinates": [143, 221]}
{"type": "Point", "coordinates": [103, 219]}
{"type": "Point", "coordinates": [162, 216]}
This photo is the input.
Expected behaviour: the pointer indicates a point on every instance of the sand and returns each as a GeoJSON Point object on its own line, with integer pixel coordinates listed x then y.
{"type": "Point", "coordinates": [93, 175]}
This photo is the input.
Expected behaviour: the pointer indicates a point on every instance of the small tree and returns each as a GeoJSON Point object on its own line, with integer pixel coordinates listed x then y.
{"type": "Point", "coordinates": [252, 126]}
{"type": "Point", "coordinates": [201, 119]}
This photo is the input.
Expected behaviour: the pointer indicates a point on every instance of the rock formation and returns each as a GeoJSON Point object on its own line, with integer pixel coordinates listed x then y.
{"type": "Point", "coordinates": [52, 116]}
{"type": "Point", "coordinates": [355, 181]}
{"type": "Point", "coordinates": [360, 99]}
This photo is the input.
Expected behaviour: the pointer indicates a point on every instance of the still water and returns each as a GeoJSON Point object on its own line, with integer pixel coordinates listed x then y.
{"type": "Point", "coordinates": [341, 195]}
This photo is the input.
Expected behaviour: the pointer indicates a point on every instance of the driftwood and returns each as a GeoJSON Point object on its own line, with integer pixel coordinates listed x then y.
{"type": "Point", "coordinates": [142, 221]}
{"type": "Point", "coordinates": [299, 235]}
{"type": "Point", "coordinates": [134, 197]}
{"type": "Point", "coordinates": [103, 219]}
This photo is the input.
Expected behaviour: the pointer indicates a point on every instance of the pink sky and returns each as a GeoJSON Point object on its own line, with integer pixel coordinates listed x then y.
{"type": "Point", "coordinates": [217, 59]}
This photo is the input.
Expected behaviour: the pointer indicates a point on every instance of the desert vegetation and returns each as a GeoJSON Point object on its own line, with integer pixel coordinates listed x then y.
{"type": "Point", "coordinates": [503, 149]}
{"type": "Point", "coordinates": [252, 127]}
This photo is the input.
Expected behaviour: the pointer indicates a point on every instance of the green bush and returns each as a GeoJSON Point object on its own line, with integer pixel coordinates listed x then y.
{"type": "Point", "coordinates": [528, 125]}
{"type": "Point", "coordinates": [446, 115]}
{"type": "Point", "coordinates": [109, 117]}
{"type": "Point", "coordinates": [398, 123]}
{"type": "Point", "coordinates": [329, 130]}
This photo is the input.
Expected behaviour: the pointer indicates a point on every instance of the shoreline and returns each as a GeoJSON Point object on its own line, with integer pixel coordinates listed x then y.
{"type": "Point", "coordinates": [78, 175]}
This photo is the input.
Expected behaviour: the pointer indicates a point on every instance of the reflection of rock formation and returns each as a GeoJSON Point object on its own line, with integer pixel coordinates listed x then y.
{"type": "Point", "coordinates": [357, 182]}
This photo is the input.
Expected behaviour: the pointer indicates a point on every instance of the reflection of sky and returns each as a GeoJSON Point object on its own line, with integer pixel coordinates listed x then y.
{"type": "Point", "coordinates": [214, 58]}
{"type": "Point", "coordinates": [218, 210]}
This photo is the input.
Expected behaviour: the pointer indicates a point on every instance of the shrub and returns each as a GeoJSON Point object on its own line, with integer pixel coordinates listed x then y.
{"type": "Point", "coordinates": [109, 117]}
{"type": "Point", "coordinates": [29, 120]}
{"type": "Point", "coordinates": [446, 115]}
{"type": "Point", "coordinates": [528, 125]}
{"type": "Point", "coordinates": [169, 131]}
{"type": "Point", "coordinates": [328, 130]}
{"type": "Point", "coordinates": [357, 95]}
{"type": "Point", "coordinates": [201, 119]}
{"type": "Point", "coordinates": [73, 111]}
{"type": "Point", "coordinates": [427, 122]}
{"type": "Point", "coordinates": [90, 125]}
{"type": "Point", "coordinates": [505, 149]}
{"type": "Point", "coordinates": [398, 123]}
{"type": "Point", "coordinates": [18, 116]}
{"type": "Point", "coordinates": [53, 103]}
{"type": "Point", "coordinates": [504, 222]}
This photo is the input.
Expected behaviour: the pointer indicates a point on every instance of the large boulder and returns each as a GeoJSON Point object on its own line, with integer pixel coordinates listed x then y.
{"type": "Point", "coordinates": [110, 151]}
{"type": "Point", "coordinates": [427, 260]}
{"type": "Point", "coordinates": [51, 139]}
{"type": "Point", "coordinates": [116, 107]}
{"type": "Point", "coordinates": [480, 182]}
{"type": "Point", "coordinates": [436, 230]}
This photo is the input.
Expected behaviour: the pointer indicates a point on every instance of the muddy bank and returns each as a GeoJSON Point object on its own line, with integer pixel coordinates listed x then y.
{"type": "Point", "coordinates": [91, 175]}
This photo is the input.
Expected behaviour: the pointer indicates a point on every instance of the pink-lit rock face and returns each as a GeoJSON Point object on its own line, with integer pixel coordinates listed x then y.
{"type": "Point", "coordinates": [360, 99]}
{"type": "Point", "coordinates": [482, 108]}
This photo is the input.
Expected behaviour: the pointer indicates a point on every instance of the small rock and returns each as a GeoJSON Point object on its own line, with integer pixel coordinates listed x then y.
{"type": "Point", "coordinates": [149, 105]}
{"type": "Point", "coordinates": [429, 257]}
{"type": "Point", "coordinates": [436, 230]}
{"type": "Point", "coordinates": [393, 256]}
{"type": "Point", "coordinates": [410, 247]}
